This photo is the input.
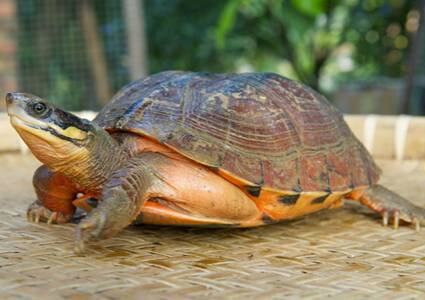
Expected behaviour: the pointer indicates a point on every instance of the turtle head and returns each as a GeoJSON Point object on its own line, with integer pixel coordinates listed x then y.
{"type": "Point", "coordinates": [51, 133]}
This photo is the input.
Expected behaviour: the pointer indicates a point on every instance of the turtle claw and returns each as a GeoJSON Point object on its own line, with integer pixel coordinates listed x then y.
{"type": "Point", "coordinates": [91, 227]}
{"type": "Point", "coordinates": [114, 212]}
{"type": "Point", "coordinates": [417, 224]}
{"type": "Point", "coordinates": [396, 219]}
{"type": "Point", "coordinates": [54, 217]}
{"type": "Point", "coordinates": [385, 218]}
{"type": "Point", "coordinates": [396, 216]}
{"type": "Point", "coordinates": [36, 212]}
{"type": "Point", "coordinates": [392, 207]}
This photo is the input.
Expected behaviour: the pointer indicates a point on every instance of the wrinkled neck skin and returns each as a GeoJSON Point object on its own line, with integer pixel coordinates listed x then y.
{"type": "Point", "coordinates": [91, 166]}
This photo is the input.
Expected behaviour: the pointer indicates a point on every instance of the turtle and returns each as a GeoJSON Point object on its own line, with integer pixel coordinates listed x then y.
{"type": "Point", "coordinates": [199, 149]}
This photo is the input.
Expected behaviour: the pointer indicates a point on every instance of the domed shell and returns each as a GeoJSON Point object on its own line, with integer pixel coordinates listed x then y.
{"type": "Point", "coordinates": [260, 128]}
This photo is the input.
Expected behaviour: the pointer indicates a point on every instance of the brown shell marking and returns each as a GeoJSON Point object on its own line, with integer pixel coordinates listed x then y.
{"type": "Point", "coordinates": [258, 128]}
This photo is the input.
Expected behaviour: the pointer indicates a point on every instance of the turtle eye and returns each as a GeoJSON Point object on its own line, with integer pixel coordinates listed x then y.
{"type": "Point", "coordinates": [39, 109]}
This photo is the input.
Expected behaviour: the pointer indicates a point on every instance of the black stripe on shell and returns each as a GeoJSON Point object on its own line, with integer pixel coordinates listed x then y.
{"type": "Point", "coordinates": [289, 199]}
{"type": "Point", "coordinates": [320, 199]}
{"type": "Point", "coordinates": [254, 190]}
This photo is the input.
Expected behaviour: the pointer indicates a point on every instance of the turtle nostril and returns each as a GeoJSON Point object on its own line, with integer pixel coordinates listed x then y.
{"type": "Point", "coordinates": [9, 98]}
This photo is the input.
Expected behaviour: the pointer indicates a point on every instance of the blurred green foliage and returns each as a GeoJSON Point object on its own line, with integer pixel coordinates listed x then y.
{"type": "Point", "coordinates": [181, 35]}
{"type": "Point", "coordinates": [300, 38]}
{"type": "Point", "coordinates": [323, 43]}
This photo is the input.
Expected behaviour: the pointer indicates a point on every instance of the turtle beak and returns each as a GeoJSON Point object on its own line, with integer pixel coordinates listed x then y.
{"type": "Point", "coordinates": [15, 103]}
{"type": "Point", "coordinates": [10, 101]}
{"type": "Point", "coordinates": [9, 98]}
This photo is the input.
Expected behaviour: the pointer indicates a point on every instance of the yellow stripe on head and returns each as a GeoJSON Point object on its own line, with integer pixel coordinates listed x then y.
{"type": "Point", "coordinates": [73, 133]}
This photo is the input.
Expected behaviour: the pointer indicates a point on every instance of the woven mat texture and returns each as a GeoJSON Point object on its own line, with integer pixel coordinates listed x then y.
{"type": "Point", "coordinates": [334, 254]}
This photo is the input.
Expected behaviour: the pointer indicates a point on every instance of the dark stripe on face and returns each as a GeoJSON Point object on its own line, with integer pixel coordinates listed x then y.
{"type": "Point", "coordinates": [65, 119]}
{"type": "Point", "coordinates": [320, 199]}
{"type": "Point", "coordinates": [288, 199]}
{"type": "Point", "coordinates": [52, 131]}
{"type": "Point", "coordinates": [62, 137]}
{"type": "Point", "coordinates": [254, 190]}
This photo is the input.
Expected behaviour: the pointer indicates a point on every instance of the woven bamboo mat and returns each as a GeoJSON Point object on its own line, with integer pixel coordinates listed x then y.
{"type": "Point", "coordinates": [344, 253]}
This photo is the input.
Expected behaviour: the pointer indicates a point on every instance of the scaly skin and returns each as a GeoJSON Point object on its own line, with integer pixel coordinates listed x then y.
{"type": "Point", "coordinates": [121, 199]}
{"type": "Point", "coordinates": [92, 168]}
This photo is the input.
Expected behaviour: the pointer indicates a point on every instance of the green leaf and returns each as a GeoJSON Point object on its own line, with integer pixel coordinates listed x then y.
{"type": "Point", "coordinates": [226, 22]}
{"type": "Point", "coordinates": [311, 8]}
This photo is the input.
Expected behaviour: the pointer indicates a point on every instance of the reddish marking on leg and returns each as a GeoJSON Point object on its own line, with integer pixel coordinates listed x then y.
{"type": "Point", "coordinates": [361, 196]}
{"type": "Point", "coordinates": [365, 200]}
{"type": "Point", "coordinates": [356, 194]}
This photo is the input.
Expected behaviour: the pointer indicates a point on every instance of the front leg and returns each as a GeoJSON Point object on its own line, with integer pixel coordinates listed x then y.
{"type": "Point", "coordinates": [121, 199]}
{"type": "Point", "coordinates": [55, 194]}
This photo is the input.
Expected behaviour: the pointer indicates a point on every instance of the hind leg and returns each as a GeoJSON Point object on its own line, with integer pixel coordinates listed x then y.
{"type": "Point", "coordinates": [390, 206]}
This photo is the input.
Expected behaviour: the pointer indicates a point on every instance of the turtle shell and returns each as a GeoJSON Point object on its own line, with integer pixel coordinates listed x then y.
{"type": "Point", "coordinates": [259, 128]}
